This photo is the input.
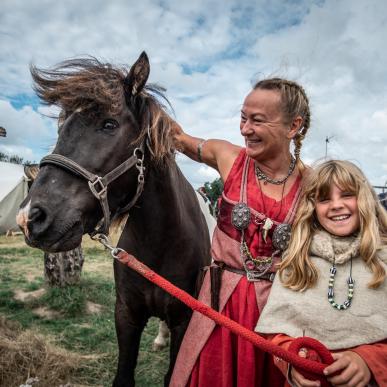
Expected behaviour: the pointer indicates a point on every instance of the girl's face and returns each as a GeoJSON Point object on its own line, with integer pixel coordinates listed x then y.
{"type": "Point", "coordinates": [338, 213]}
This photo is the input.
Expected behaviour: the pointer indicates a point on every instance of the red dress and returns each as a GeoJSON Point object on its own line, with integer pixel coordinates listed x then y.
{"type": "Point", "coordinates": [210, 355]}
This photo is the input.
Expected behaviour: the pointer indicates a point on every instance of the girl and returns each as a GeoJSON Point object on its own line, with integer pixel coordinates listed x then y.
{"type": "Point", "coordinates": [331, 284]}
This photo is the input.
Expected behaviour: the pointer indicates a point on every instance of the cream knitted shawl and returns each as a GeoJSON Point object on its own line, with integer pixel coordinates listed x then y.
{"type": "Point", "coordinates": [294, 312]}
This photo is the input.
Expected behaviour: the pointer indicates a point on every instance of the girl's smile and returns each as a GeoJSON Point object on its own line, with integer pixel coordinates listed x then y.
{"type": "Point", "coordinates": [338, 213]}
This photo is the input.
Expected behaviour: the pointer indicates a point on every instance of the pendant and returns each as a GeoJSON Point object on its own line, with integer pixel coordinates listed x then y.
{"type": "Point", "coordinates": [266, 227]}
{"type": "Point", "coordinates": [240, 216]}
{"type": "Point", "coordinates": [281, 236]}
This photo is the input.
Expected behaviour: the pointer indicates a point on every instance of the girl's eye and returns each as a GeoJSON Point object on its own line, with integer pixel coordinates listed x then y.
{"type": "Point", "coordinates": [348, 194]}
{"type": "Point", "coordinates": [109, 125]}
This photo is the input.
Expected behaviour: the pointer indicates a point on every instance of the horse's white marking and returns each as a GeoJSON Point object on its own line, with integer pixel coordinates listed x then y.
{"type": "Point", "coordinates": [161, 341]}
{"type": "Point", "coordinates": [211, 221]}
{"type": "Point", "coordinates": [22, 218]}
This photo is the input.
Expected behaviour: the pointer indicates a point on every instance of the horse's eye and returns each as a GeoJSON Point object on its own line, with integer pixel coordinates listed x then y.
{"type": "Point", "coordinates": [109, 125]}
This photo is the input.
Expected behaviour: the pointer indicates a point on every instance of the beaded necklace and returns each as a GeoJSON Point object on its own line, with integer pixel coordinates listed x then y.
{"type": "Point", "coordinates": [351, 284]}
{"type": "Point", "coordinates": [266, 179]}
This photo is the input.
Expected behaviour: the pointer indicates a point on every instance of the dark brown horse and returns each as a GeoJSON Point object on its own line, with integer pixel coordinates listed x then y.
{"type": "Point", "coordinates": [114, 154]}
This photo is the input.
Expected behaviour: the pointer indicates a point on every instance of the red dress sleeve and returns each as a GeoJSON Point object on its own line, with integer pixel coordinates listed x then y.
{"type": "Point", "coordinates": [284, 342]}
{"type": "Point", "coordinates": [375, 356]}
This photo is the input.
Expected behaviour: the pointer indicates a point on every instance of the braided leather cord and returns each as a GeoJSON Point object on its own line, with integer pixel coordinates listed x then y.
{"type": "Point", "coordinates": [314, 369]}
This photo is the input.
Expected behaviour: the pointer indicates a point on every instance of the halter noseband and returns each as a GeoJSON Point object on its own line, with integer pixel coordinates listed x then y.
{"type": "Point", "coordinates": [98, 185]}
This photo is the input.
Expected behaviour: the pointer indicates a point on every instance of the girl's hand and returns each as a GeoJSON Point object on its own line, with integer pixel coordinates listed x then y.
{"type": "Point", "coordinates": [351, 368]}
{"type": "Point", "coordinates": [300, 381]}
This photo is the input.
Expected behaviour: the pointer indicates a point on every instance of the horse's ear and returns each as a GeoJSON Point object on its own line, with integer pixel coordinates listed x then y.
{"type": "Point", "coordinates": [138, 75]}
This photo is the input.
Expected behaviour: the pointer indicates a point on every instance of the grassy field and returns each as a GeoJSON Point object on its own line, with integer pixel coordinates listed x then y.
{"type": "Point", "coordinates": [78, 319]}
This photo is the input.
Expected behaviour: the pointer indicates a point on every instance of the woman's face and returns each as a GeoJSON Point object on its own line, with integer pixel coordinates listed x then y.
{"type": "Point", "coordinates": [338, 213]}
{"type": "Point", "coordinates": [262, 125]}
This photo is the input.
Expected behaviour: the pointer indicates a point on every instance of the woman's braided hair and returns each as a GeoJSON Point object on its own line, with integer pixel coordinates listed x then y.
{"type": "Point", "coordinates": [294, 103]}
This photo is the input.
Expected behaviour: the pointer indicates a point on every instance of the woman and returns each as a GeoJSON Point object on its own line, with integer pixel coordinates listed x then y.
{"type": "Point", "coordinates": [261, 190]}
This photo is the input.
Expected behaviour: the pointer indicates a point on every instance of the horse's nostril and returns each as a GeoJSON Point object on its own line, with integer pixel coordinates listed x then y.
{"type": "Point", "coordinates": [37, 215]}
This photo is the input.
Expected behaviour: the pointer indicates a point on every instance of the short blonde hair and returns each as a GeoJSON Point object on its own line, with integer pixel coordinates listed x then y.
{"type": "Point", "coordinates": [296, 270]}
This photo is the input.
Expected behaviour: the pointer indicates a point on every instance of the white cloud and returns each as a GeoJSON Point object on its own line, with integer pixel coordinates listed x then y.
{"type": "Point", "coordinates": [207, 53]}
{"type": "Point", "coordinates": [29, 133]}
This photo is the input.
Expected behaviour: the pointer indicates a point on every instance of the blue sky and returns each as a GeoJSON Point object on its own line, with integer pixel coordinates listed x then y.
{"type": "Point", "coordinates": [207, 54]}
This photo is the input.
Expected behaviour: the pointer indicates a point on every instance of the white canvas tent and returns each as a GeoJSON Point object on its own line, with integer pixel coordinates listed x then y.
{"type": "Point", "coordinates": [13, 189]}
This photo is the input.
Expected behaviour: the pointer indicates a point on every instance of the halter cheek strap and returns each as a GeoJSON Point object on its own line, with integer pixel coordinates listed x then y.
{"type": "Point", "coordinates": [98, 185]}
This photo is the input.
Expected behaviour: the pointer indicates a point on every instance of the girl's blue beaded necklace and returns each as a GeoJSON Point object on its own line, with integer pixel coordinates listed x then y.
{"type": "Point", "coordinates": [351, 283]}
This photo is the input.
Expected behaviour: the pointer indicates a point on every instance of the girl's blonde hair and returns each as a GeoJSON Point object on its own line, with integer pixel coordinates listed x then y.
{"type": "Point", "coordinates": [297, 271]}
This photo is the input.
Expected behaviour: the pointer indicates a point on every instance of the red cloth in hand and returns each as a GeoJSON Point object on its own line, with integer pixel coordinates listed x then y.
{"type": "Point", "coordinates": [315, 351]}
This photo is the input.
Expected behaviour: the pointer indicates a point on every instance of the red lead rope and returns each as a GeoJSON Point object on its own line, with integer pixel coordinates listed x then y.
{"type": "Point", "coordinates": [312, 368]}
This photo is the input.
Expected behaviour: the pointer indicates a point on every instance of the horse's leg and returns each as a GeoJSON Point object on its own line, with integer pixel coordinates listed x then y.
{"type": "Point", "coordinates": [177, 334]}
{"type": "Point", "coordinates": [128, 336]}
{"type": "Point", "coordinates": [161, 341]}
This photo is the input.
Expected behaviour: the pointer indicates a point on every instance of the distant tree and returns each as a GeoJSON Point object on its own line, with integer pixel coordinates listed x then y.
{"type": "Point", "coordinates": [3, 157]}
{"type": "Point", "coordinates": [213, 191]}
{"type": "Point", "coordinates": [3, 132]}
{"type": "Point", "coordinates": [65, 268]}
{"type": "Point", "coordinates": [14, 159]}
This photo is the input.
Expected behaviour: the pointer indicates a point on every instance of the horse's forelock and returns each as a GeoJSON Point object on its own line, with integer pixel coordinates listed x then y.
{"type": "Point", "coordinates": [84, 83]}
{"type": "Point", "coordinates": [155, 123]}
{"type": "Point", "coordinates": [93, 87]}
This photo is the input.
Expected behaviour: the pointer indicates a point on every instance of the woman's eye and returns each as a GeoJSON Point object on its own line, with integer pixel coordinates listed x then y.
{"type": "Point", "coordinates": [109, 125]}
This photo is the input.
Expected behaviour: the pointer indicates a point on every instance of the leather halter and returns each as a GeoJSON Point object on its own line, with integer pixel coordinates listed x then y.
{"type": "Point", "coordinates": [98, 185]}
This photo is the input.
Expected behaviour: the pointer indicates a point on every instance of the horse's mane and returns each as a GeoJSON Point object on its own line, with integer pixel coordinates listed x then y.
{"type": "Point", "coordinates": [87, 85]}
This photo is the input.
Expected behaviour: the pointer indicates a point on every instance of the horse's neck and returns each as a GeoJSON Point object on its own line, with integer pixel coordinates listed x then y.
{"type": "Point", "coordinates": [163, 202]}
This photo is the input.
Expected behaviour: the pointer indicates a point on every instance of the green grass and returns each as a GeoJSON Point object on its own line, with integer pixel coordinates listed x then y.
{"type": "Point", "coordinates": [21, 268]}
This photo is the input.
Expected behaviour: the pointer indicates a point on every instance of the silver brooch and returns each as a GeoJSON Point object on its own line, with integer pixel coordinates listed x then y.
{"type": "Point", "coordinates": [281, 236]}
{"type": "Point", "coordinates": [240, 216]}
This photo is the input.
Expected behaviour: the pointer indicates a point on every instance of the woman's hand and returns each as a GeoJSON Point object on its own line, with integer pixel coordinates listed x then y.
{"type": "Point", "coordinates": [351, 369]}
{"type": "Point", "coordinates": [176, 132]}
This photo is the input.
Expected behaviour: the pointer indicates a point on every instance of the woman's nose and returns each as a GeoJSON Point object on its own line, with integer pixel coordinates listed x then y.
{"type": "Point", "coordinates": [246, 128]}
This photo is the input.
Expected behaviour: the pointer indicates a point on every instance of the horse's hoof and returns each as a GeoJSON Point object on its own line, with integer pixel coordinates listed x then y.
{"type": "Point", "coordinates": [159, 346]}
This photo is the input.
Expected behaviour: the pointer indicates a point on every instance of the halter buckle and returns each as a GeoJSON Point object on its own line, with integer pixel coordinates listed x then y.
{"type": "Point", "coordinates": [95, 185]}
{"type": "Point", "coordinates": [141, 153]}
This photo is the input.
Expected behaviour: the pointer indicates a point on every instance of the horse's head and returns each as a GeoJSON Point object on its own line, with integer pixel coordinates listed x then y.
{"type": "Point", "coordinates": [106, 114]}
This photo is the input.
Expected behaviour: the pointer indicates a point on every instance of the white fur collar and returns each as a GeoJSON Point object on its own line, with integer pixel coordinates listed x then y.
{"type": "Point", "coordinates": [329, 247]}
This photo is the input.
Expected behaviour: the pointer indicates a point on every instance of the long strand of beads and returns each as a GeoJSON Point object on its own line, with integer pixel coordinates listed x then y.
{"type": "Point", "coordinates": [351, 284]}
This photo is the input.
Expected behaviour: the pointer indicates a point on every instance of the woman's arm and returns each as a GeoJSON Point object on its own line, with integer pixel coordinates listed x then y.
{"type": "Point", "coordinates": [218, 154]}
